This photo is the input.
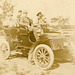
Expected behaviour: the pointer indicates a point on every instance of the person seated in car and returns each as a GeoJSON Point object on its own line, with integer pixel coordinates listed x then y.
{"type": "Point", "coordinates": [38, 31]}
{"type": "Point", "coordinates": [9, 21]}
{"type": "Point", "coordinates": [42, 22]}
{"type": "Point", "coordinates": [40, 19]}
{"type": "Point", "coordinates": [19, 16]}
{"type": "Point", "coordinates": [26, 21]}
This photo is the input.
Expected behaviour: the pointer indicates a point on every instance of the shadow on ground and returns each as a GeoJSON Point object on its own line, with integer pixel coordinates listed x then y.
{"type": "Point", "coordinates": [61, 56]}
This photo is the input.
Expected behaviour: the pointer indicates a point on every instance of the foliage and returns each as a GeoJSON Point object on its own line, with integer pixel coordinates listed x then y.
{"type": "Point", "coordinates": [7, 8]}
{"type": "Point", "coordinates": [62, 22]}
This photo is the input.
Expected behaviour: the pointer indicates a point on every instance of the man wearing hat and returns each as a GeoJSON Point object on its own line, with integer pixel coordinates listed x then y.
{"type": "Point", "coordinates": [25, 20]}
{"type": "Point", "coordinates": [38, 31]}
{"type": "Point", "coordinates": [40, 19]}
{"type": "Point", "coordinates": [19, 17]}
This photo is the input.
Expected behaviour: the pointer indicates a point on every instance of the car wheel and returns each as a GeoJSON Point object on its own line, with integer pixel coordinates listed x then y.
{"type": "Point", "coordinates": [43, 56]}
{"type": "Point", "coordinates": [4, 50]}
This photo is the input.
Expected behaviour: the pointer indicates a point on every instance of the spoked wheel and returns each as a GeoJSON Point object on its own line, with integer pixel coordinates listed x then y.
{"type": "Point", "coordinates": [4, 50]}
{"type": "Point", "coordinates": [43, 56]}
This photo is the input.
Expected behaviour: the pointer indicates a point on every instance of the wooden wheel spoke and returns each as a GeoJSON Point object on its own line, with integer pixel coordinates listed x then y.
{"type": "Point", "coordinates": [39, 61]}
{"type": "Point", "coordinates": [47, 59]}
{"type": "Point", "coordinates": [45, 51]}
{"type": "Point", "coordinates": [39, 51]}
{"type": "Point", "coordinates": [38, 54]}
{"type": "Point", "coordinates": [45, 62]}
{"type": "Point", "coordinates": [42, 50]}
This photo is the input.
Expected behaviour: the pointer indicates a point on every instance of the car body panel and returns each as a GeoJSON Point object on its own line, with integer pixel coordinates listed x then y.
{"type": "Point", "coordinates": [20, 37]}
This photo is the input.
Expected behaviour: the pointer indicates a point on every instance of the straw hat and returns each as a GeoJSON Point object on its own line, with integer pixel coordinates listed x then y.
{"type": "Point", "coordinates": [39, 13]}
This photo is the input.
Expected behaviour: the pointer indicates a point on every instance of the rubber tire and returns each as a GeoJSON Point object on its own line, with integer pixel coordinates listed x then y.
{"type": "Point", "coordinates": [9, 52]}
{"type": "Point", "coordinates": [50, 53]}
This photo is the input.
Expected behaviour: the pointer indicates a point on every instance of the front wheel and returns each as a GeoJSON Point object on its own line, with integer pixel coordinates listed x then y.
{"type": "Point", "coordinates": [4, 50]}
{"type": "Point", "coordinates": [43, 56]}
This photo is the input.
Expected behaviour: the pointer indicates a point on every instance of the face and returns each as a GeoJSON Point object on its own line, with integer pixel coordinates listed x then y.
{"type": "Point", "coordinates": [20, 13]}
{"type": "Point", "coordinates": [24, 14]}
{"type": "Point", "coordinates": [39, 16]}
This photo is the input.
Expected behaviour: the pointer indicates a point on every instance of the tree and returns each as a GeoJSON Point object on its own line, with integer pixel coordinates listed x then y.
{"type": "Point", "coordinates": [62, 22]}
{"type": "Point", "coordinates": [7, 7]}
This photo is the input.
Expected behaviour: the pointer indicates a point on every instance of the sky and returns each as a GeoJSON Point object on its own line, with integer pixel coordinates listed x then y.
{"type": "Point", "coordinates": [50, 8]}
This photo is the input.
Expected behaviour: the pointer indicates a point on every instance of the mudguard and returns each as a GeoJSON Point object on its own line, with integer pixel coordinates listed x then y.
{"type": "Point", "coordinates": [55, 41]}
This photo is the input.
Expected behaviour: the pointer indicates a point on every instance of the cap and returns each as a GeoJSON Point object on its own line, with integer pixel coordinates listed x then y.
{"type": "Point", "coordinates": [20, 11]}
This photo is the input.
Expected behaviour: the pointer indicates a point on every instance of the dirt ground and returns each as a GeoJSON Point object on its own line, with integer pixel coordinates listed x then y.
{"type": "Point", "coordinates": [21, 66]}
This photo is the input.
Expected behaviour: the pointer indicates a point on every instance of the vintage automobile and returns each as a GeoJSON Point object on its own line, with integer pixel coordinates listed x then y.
{"type": "Point", "coordinates": [40, 42]}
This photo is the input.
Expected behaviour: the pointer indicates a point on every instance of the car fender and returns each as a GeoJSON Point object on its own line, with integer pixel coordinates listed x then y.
{"type": "Point", "coordinates": [47, 42]}
{"type": "Point", "coordinates": [54, 42]}
{"type": "Point", "coordinates": [30, 54]}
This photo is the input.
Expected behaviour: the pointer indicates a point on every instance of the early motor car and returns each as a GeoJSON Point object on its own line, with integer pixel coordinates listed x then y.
{"type": "Point", "coordinates": [39, 42]}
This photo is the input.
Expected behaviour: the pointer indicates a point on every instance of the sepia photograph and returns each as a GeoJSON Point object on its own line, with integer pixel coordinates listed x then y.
{"type": "Point", "coordinates": [37, 37]}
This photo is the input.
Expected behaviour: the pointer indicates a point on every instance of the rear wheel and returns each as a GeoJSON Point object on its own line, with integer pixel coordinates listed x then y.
{"type": "Point", "coordinates": [4, 50]}
{"type": "Point", "coordinates": [43, 56]}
